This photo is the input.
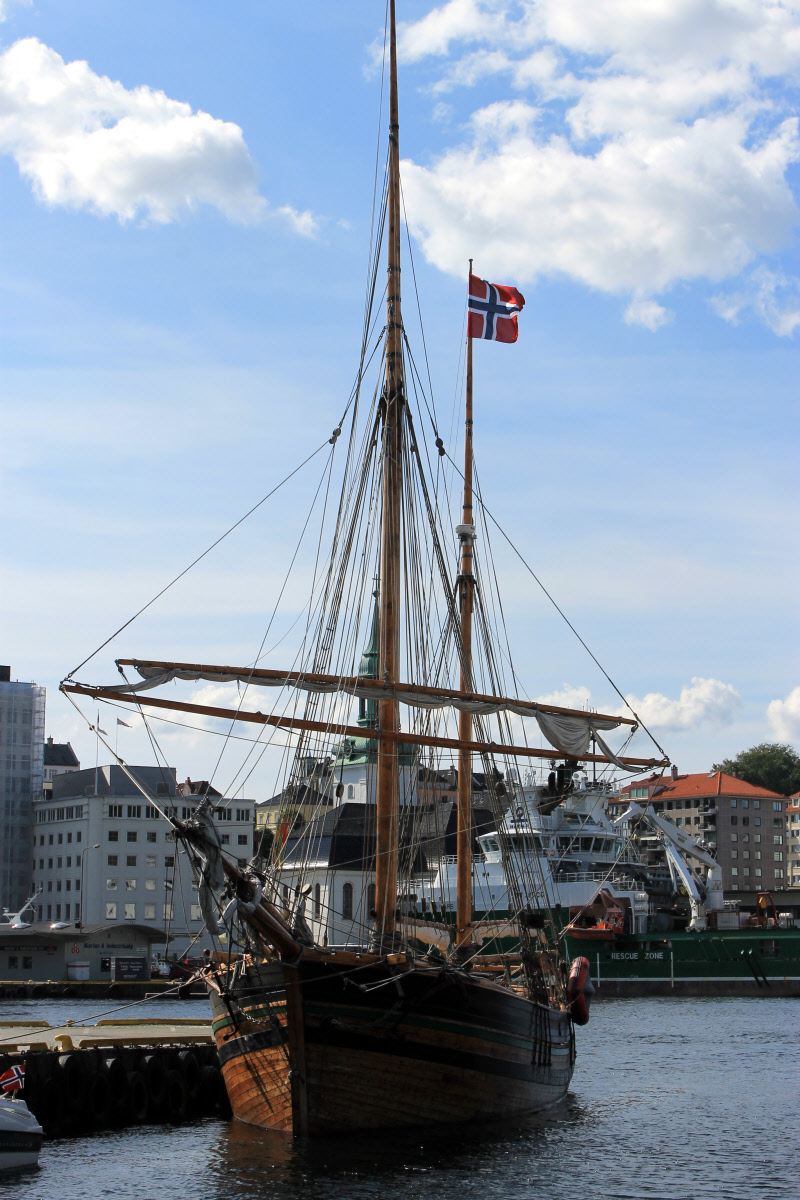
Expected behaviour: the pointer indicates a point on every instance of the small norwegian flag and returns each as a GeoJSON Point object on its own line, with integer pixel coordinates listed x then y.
{"type": "Point", "coordinates": [12, 1080]}
{"type": "Point", "coordinates": [493, 310]}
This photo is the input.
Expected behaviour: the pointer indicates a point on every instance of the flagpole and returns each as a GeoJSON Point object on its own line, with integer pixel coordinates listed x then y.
{"type": "Point", "coordinates": [466, 532]}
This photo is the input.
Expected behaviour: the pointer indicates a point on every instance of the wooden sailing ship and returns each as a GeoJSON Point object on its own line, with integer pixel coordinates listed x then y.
{"type": "Point", "coordinates": [417, 1021]}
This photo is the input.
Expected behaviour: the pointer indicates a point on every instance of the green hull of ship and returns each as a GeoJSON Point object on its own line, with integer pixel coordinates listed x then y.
{"type": "Point", "coordinates": [736, 961]}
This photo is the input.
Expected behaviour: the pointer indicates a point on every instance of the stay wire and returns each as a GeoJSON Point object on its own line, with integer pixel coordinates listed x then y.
{"type": "Point", "coordinates": [563, 616]}
{"type": "Point", "coordinates": [199, 558]}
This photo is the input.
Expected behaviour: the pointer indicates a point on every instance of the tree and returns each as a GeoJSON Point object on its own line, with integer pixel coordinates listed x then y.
{"type": "Point", "coordinates": [771, 765]}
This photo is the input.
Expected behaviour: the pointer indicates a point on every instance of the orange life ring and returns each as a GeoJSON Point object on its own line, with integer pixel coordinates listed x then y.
{"type": "Point", "coordinates": [579, 984]}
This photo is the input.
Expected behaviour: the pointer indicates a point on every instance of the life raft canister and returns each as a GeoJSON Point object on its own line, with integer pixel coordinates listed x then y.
{"type": "Point", "coordinates": [579, 990]}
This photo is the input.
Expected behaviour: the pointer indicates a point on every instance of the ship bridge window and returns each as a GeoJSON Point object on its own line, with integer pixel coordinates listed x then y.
{"type": "Point", "coordinates": [564, 843]}
{"type": "Point", "coordinates": [586, 844]}
{"type": "Point", "coordinates": [347, 901]}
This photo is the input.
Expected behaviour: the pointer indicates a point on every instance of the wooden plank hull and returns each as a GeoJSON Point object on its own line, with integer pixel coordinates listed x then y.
{"type": "Point", "coordinates": [387, 1047]}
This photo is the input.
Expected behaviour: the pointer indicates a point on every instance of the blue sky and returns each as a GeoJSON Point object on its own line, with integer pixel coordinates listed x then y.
{"type": "Point", "coordinates": [182, 298]}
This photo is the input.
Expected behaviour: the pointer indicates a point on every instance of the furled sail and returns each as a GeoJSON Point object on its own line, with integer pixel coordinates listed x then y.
{"type": "Point", "coordinates": [570, 733]}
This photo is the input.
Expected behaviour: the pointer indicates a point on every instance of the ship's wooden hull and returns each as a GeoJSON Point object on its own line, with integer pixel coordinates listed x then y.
{"type": "Point", "coordinates": [384, 1046]}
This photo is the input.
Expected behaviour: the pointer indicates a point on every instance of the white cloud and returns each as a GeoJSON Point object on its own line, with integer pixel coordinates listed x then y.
{"type": "Point", "coordinates": [656, 151]}
{"type": "Point", "coordinates": [85, 141]}
{"type": "Point", "coordinates": [6, 5]}
{"type": "Point", "coordinates": [568, 697]}
{"type": "Point", "coordinates": [648, 313]}
{"type": "Point", "coordinates": [784, 717]}
{"type": "Point", "coordinates": [704, 701]}
{"type": "Point", "coordinates": [771, 296]}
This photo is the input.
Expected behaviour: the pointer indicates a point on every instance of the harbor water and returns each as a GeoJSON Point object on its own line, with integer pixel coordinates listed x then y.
{"type": "Point", "coordinates": [672, 1099]}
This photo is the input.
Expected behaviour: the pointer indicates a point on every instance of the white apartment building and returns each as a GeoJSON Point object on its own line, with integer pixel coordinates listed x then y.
{"type": "Point", "coordinates": [103, 855]}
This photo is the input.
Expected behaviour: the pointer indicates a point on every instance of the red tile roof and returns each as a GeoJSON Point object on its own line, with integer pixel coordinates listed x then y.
{"type": "Point", "coordinates": [715, 783]}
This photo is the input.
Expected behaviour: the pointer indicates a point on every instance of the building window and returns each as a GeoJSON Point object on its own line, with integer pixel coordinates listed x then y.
{"type": "Point", "coordinates": [756, 820]}
{"type": "Point", "coordinates": [243, 814]}
{"type": "Point", "coordinates": [111, 911]}
{"type": "Point", "coordinates": [66, 912]}
{"type": "Point", "coordinates": [223, 814]}
{"type": "Point", "coordinates": [58, 885]}
{"type": "Point", "coordinates": [351, 791]}
{"type": "Point", "coordinates": [130, 912]}
{"type": "Point", "coordinates": [317, 900]}
{"type": "Point", "coordinates": [169, 860]}
{"type": "Point", "coordinates": [111, 885]}
{"type": "Point", "coordinates": [779, 872]}
{"type": "Point", "coordinates": [167, 912]}
{"type": "Point", "coordinates": [132, 835]}
{"type": "Point", "coordinates": [195, 912]}
{"type": "Point", "coordinates": [113, 835]}
{"type": "Point", "coordinates": [112, 860]}
{"type": "Point", "coordinates": [115, 810]}
{"type": "Point", "coordinates": [13, 962]}
{"type": "Point", "coordinates": [134, 811]}
{"type": "Point", "coordinates": [68, 885]}
{"type": "Point", "coordinates": [745, 820]}
{"type": "Point", "coordinates": [756, 804]}
{"type": "Point", "coordinates": [130, 885]}
{"type": "Point", "coordinates": [152, 836]}
{"type": "Point", "coordinates": [77, 885]}
{"type": "Point", "coordinates": [734, 871]}
{"type": "Point", "coordinates": [49, 912]}
{"type": "Point", "coordinates": [149, 885]}
{"type": "Point", "coordinates": [150, 860]}
{"type": "Point", "coordinates": [734, 853]}
{"type": "Point", "coordinates": [777, 839]}
{"type": "Point", "coordinates": [777, 806]}
{"type": "Point", "coordinates": [149, 912]}
{"type": "Point", "coordinates": [757, 871]}
{"type": "Point", "coordinates": [734, 837]}
{"type": "Point", "coordinates": [77, 912]}
{"type": "Point", "coordinates": [225, 839]}
{"type": "Point", "coordinates": [778, 856]}
{"type": "Point", "coordinates": [242, 839]}
{"type": "Point", "coordinates": [49, 864]}
{"type": "Point", "coordinates": [347, 901]}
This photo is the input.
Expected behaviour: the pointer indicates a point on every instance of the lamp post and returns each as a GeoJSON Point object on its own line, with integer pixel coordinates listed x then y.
{"type": "Point", "coordinates": [96, 846]}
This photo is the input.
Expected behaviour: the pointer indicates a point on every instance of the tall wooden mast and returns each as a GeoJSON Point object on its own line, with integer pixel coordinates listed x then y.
{"type": "Point", "coordinates": [388, 661]}
{"type": "Point", "coordinates": [466, 533]}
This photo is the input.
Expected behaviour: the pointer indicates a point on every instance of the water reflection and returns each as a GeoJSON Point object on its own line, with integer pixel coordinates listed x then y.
{"type": "Point", "coordinates": [253, 1162]}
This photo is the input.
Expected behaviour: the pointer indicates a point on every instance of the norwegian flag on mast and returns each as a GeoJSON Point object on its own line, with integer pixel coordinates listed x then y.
{"type": "Point", "coordinates": [11, 1081]}
{"type": "Point", "coordinates": [493, 310]}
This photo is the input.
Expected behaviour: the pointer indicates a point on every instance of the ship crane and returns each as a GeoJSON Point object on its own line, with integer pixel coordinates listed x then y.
{"type": "Point", "coordinates": [705, 895]}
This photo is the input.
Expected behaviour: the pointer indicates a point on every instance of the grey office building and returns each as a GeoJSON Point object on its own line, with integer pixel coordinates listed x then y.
{"type": "Point", "coordinates": [21, 754]}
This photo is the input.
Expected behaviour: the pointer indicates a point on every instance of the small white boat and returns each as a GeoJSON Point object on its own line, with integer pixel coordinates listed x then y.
{"type": "Point", "coordinates": [20, 1135]}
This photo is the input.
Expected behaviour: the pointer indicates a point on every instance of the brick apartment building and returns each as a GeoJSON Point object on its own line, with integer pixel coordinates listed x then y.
{"type": "Point", "coordinates": [747, 825]}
